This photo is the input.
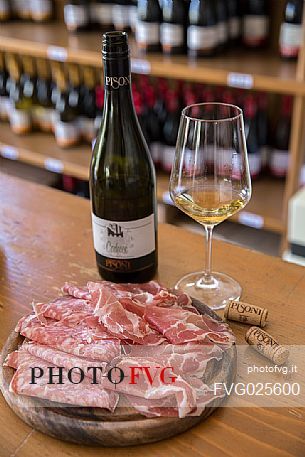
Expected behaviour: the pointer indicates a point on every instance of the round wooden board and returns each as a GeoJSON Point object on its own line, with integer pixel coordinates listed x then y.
{"type": "Point", "coordinates": [94, 426]}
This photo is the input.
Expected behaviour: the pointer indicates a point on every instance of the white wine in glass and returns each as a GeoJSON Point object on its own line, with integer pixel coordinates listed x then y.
{"type": "Point", "coordinates": [210, 181]}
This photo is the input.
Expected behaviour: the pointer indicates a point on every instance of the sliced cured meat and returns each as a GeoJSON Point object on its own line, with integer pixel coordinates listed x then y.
{"type": "Point", "coordinates": [62, 359]}
{"type": "Point", "coordinates": [80, 341]}
{"type": "Point", "coordinates": [77, 292]}
{"type": "Point", "coordinates": [73, 310]}
{"type": "Point", "coordinates": [147, 382]}
{"type": "Point", "coordinates": [82, 394]}
{"type": "Point", "coordinates": [181, 326]}
{"type": "Point", "coordinates": [123, 323]}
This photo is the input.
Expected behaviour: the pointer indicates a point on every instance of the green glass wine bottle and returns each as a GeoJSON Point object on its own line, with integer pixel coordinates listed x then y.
{"type": "Point", "coordinates": [122, 179]}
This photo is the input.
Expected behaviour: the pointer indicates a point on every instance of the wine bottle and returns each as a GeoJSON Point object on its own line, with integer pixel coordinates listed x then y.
{"type": "Point", "coordinates": [20, 113]}
{"type": "Point", "coordinates": [234, 20]}
{"type": "Point", "coordinates": [202, 35]}
{"type": "Point", "coordinates": [262, 128]}
{"type": "Point", "coordinates": [66, 126]}
{"type": "Point", "coordinates": [99, 102]}
{"type": "Point", "coordinates": [88, 105]}
{"type": "Point", "coordinates": [255, 23]}
{"type": "Point", "coordinates": [133, 15]}
{"type": "Point", "coordinates": [4, 95]}
{"type": "Point", "coordinates": [253, 147]}
{"type": "Point", "coordinates": [41, 10]}
{"type": "Point", "coordinates": [77, 15]}
{"type": "Point", "coordinates": [170, 130]}
{"type": "Point", "coordinates": [174, 26]}
{"type": "Point", "coordinates": [292, 29]}
{"type": "Point", "coordinates": [21, 9]}
{"type": "Point", "coordinates": [122, 178]}
{"type": "Point", "coordinates": [4, 10]}
{"type": "Point", "coordinates": [101, 13]}
{"type": "Point", "coordinates": [154, 126]}
{"type": "Point", "coordinates": [279, 160]}
{"type": "Point", "coordinates": [120, 15]}
{"type": "Point", "coordinates": [44, 112]}
{"type": "Point", "coordinates": [148, 25]}
{"type": "Point", "coordinates": [222, 24]}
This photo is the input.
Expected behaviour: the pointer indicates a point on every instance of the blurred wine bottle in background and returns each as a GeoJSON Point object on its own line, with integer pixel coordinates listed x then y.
{"type": "Point", "coordinates": [292, 29]}
{"type": "Point", "coordinates": [202, 35]}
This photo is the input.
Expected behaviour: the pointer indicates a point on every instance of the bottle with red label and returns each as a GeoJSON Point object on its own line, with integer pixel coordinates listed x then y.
{"type": "Point", "coordinates": [253, 147]}
{"type": "Point", "coordinates": [255, 23]}
{"type": "Point", "coordinates": [263, 128]}
{"type": "Point", "coordinates": [279, 160]}
{"type": "Point", "coordinates": [170, 129]}
{"type": "Point", "coordinates": [292, 29]}
{"type": "Point", "coordinates": [148, 25]}
{"type": "Point", "coordinates": [174, 25]}
{"type": "Point", "coordinates": [202, 33]}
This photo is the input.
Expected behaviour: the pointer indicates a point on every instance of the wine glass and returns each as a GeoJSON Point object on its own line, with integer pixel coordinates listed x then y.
{"type": "Point", "coordinates": [210, 181]}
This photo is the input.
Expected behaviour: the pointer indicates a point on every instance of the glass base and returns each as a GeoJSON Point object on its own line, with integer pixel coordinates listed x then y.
{"type": "Point", "coordinates": [214, 291]}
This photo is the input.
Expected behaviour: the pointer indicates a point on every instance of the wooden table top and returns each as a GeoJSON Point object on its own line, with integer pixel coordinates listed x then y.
{"type": "Point", "coordinates": [45, 239]}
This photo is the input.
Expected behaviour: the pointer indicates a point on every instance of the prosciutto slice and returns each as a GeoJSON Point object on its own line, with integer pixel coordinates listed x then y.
{"type": "Point", "coordinates": [77, 292]}
{"type": "Point", "coordinates": [151, 387]}
{"type": "Point", "coordinates": [180, 326]}
{"type": "Point", "coordinates": [123, 323]}
{"type": "Point", "coordinates": [80, 340]}
{"type": "Point", "coordinates": [82, 394]}
{"type": "Point", "coordinates": [72, 310]}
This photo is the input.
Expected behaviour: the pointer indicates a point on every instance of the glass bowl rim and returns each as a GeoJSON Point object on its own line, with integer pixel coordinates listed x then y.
{"type": "Point", "coordinates": [226, 119]}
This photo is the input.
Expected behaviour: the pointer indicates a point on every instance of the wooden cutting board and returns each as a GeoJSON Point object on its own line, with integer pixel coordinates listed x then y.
{"type": "Point", "coordinates": [94, 426]}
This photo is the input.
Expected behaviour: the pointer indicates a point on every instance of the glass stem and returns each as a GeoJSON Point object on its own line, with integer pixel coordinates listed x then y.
{"type": "Point", "coordinates": [208, 252]}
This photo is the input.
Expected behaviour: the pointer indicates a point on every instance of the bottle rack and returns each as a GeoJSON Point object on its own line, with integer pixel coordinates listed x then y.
{"type": "Point", "coordinates": [253, 70]}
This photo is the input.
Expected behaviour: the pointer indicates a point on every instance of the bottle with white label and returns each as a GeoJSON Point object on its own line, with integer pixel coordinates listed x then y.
{"type": "Point", "coordinates": [255, 23]}
{"type": "Point", "coordinates": [4, 95]}
{"type": "Point", "coordinates": [202, 34]}
{"type": "Point", "coordinates": [279, 159]}
{"type": "Point", "coordinates": [77, 15]}
{"type": "Point", "coordinates": [148, 25]}
{"type": "Point", "coordinates": [20, 112]}
{"type": "Point", "coordinates": [4, 10]}
{"type": "Point", "coordinates": [234, 20]}
{"type": "Point", "coordinates": [66, 126]}
{"type": "Point", "coordinates": [101, 14]}
{"type": "Point", "coordinates": [122, 178]}
{"type": "Point", "coordinates": [120, 15]}
{"type": "Point", "coordinates": [222, 24]}
{"type": "Point", "coordinates": [291, 33]}
{"type": "Point", "coordinates": [173, 27]}
{"type": "Point", "coordinates": [41, 10]}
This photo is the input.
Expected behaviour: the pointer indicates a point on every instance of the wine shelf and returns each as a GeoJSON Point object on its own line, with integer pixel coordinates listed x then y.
{"type": "Point", "coordinates": [257, 70]}
{"type": "Point", "coordinates": [264, 210]}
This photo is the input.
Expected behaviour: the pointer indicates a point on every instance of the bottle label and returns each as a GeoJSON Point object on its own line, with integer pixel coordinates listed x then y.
{"type": "Point", "coordinates": [255, 29]}
{"type": "Point", "coordinates": [4, 11]}
{"type": "Point", "coordinates": [168, 157]}
{"type": "Point", "coordinates": [234, 27]}
{"type": "Point", "coordinates": [201, 38]}
{"type": "Point", "coordinates": [41, 9]}
{"type": "Point", "coordinates": [66, 133]}
{"type": "Point", "coordinates": [255, 164]}
{"type": "Point", "coordinates": [222, 32]}
{"type": "Point", "coordinates": [156, 151]}
{"type": "Point", "coordinates": [171, 35]}
{"type": "Point", "coordinates": [20, 120]}
{"type": "Point", "coordinates": [5, 107]}
{"type": "Point", "coordinates": [133, 16]}
{"type": "Point", "coordinates": [290, 39]}
{"type": "Point", "coordinates": [120, 16]}
{"type": "Point", "coordinates": [101, 12]}
{"type": "Point", "coordinates": [124, 240]}
{"type": "Point", "coordinates": [279, 162]}
{"type": "Point", "coordinates": [147, 33]}
{"type": "Point", "coordinates": [75, 16]}
{"type": "Point", "coordinates": [115, 82]}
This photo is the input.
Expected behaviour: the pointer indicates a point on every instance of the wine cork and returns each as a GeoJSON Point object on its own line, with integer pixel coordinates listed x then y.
{"type": "Point", "coordinates": [266, 345]}
{"type": "Point", "coordinates": [246, 313]}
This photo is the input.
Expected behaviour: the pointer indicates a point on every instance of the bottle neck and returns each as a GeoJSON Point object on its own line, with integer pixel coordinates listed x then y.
{"type": "Point", "coordinates": [117, 82]}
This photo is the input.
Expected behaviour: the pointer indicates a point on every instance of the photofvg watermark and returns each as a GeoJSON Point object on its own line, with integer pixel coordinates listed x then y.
{"type": "Point", "coordinates": [202, 373]}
